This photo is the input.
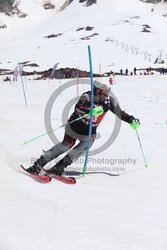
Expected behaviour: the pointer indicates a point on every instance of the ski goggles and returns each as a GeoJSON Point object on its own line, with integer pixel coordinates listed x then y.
{"type": "Point", "coordinates": [103, 93]}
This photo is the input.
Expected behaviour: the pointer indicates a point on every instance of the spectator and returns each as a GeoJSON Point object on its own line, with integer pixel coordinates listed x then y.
{"type": "Point", "coordinates": [126, 72]}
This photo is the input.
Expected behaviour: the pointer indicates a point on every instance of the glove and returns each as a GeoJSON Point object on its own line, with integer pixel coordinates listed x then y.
{"type": "Point", "coordinates": [135, 123]}
{"type": "Point", "coordinates": [97, 111]}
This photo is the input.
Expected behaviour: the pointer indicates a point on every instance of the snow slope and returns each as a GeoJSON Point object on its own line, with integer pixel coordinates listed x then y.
{"type": "Point", "coordinates": [119, 42]}
{"type": "Point", "coordinates": [103, 210]}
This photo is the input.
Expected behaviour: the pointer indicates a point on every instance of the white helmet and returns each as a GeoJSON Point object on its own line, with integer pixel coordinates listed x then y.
{"type": "Point", "coordinates": [103, 84]}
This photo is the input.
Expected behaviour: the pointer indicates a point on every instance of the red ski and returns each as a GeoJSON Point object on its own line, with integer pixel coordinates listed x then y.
{"type": "Point", "coordinates": [64, 179]}
{"type": "Point", "coordinates": [40, 178]}
{"type": "Point", "coordinates": [45, 178]}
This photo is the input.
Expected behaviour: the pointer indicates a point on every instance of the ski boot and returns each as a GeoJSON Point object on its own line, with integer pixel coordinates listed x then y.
{"type": "Point", "coordinates": [58, 169]}
{"type": "Point", "coordinates": [37, 166]}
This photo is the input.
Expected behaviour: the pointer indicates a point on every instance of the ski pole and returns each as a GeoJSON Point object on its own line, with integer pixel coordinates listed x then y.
{"type": "Point", "coordinates": [96, 112]}
{"type": "Point", "coordinates": [145, 162]}
{"type": "Point", "coordinates": [39, 136]}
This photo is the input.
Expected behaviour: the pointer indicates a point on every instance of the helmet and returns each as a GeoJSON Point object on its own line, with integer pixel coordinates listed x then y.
{"type": "Point", "coordinates": [103, 84]}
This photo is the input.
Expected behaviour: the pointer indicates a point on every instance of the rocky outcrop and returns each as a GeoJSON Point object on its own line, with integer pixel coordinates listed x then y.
{"type": "Point", "coordinates": [3, 26]}
{"type": "Point", "coordinates": [48, 6]}
{"type": "Point", "coordinates": [88, 2]}
{"type": "Point", "coordinates": [63, 73]}
{"type": "Point", "coordinates": [54, 35]}
{"type": "Point", "coordinates": [10, 7]}
{"type": "Point", "coordinates": [6, 6]}
{"type": "Point", "coordinates": [66, 4]}
{"type": "Point", "coordinates": [87, 28]}
{"type": "Point", "coordinates": [88, 37]}
{"type": "Point", "coordinates": [151, 1]}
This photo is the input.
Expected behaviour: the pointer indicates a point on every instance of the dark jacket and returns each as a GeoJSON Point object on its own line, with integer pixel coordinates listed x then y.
{"type": "Point", "coordinates": [83, 107]}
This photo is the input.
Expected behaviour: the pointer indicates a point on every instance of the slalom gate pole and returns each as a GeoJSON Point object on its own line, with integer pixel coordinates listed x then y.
{"type": "Point", "coordinates": [58, 76]}
{"type": "Point", "coordinates": [25, 99]}
{"type": "Point", "coordinates": [91, 111]}
{"type": "Point", "coordinates": [145, 162]}
{"type": "Point", "coordinates": [77, 77]}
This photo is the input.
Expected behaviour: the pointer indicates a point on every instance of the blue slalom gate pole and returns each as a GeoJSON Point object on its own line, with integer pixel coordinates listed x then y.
{"type": "Point", "coordinates": [91, 111]}
{"type": "Point", "coordinates": [24, 93]}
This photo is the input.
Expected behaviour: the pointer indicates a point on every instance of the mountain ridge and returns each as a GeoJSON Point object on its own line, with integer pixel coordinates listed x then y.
{"type": "Point", "coordinates": [131, 31]}
{"type": "Point", "coordinates": [9, 7]}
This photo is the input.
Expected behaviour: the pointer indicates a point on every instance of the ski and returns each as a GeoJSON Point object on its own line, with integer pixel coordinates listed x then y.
{"type": "Point", "coordinates": [45, 177]}
{"type": "Point", "coordinates": [40, 178]}
{"type": "Point", "coordinates": [64, 179]}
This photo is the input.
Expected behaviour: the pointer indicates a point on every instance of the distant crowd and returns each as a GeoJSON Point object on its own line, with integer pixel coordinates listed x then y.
{"type": "Point", "coordinates": [147, 71]}
{"type": "Point", "coordinates": [71, 73]}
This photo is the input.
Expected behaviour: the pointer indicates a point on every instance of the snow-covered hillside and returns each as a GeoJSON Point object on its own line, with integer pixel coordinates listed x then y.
{"type": "Point", "coordinates": [122, 34]}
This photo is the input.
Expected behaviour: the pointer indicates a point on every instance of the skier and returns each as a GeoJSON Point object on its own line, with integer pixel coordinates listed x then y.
{"type": "Point", "coordinates": [79, 130]}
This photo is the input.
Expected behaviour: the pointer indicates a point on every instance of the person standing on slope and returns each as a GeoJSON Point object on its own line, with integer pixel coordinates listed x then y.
{"type": "Point", "coordinates": [79, 130]}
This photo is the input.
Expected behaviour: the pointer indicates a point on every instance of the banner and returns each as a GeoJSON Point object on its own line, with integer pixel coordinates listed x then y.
{"type": "Point", "coordinates": [53, 70]}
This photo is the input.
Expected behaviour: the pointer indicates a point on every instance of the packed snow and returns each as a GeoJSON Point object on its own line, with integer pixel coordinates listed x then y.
{"type": "Point", "coordinates": [120, 205]}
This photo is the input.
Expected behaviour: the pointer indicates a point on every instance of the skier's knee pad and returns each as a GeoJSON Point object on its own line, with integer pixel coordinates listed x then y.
{"type": "Point", "coordinates": [69, 140]}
